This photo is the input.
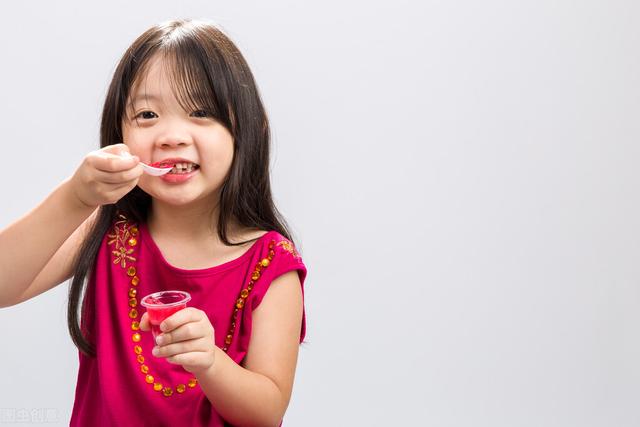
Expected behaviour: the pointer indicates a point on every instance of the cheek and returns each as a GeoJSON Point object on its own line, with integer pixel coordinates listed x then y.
{"type": "Point", "coordinates": [136, 142]}
{"type": "Point", "coordinates": [128, 137]}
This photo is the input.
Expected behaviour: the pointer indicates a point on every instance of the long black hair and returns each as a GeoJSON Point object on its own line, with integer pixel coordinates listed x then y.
{"type": "Point", "coordinates": [207, 71]}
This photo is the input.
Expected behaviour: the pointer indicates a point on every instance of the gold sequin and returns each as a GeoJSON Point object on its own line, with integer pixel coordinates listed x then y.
{"type": "Point", "coordinates": [180, 388]}
{"type": "Point", "coordinates": [144, 369]}
{"type": "Point", "coordinates": [167, 391]}
{"type": "Point", "coordinates": [135, 326]}
{"type": "Point", "coordinates": [136, 337]}
{"type": "Point", "coordinates": [140, 358]}
{"type": "Point", "coordinates": [192, 382]}
{"type": "Point", "coordinates": [135, 281]}
{"type": "Point", "coordinates": [244, 294]}
{"type": "Point", "coordinates": [157, 386]}
{"type": "Point", "coordinates": [289, 247]}
{"type": "Point", "coordinates": [137, 349]}
{"type": "Point", "coordinates": [134, 230]}
{"type": "Point", "coordinates": [133, 302]}
{"type": "Point", "coordinates": [133, 313]}
{"type": "Point", "coordinates": [133, 293]}
{"type": "Point", "coordinates": [149, 379]}
{"type": "Point", "coordinates": [131, 271]}
{"type": "Point", "coordinates": [133, 241]}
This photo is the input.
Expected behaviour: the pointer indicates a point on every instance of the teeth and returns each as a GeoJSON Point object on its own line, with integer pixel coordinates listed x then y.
{"type": "Point", "coordinates": [183, 167]}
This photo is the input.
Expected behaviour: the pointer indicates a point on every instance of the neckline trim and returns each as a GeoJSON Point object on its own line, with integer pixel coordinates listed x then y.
{"type": "Point", "coordinates": [148, 241]}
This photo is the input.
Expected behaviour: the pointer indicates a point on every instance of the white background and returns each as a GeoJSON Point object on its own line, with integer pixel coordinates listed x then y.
{"type": "Point", "coordinates": [461, 177]}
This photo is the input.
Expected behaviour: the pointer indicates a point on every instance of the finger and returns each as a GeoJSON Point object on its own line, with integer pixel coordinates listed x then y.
{"type": "Point", "coordinates": [181, 317]}
{"type": "Point", "coordinates": [119, 177]}
{"type": "Point", "coordinates": [114, 190]}
{"type": "Point", "coordinates": [179, 348]}
{"type": "Point", "coordinates": [144, 322]}
{"type": "Point", "coordinates": [108, 162]}
{"type": "Point", "coordinates": [116, 149]}
{"type": "Point", "coordinates": [187, 331]}
{"type": "Point", "coordinates": [191, 358]}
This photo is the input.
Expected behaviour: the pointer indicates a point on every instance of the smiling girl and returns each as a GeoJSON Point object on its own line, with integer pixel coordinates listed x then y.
{"type": "Point", "coordinates": [182, 97]}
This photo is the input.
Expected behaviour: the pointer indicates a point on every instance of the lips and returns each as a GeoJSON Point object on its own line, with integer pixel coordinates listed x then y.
{"type": "Point", "coordinates": [178, 177]}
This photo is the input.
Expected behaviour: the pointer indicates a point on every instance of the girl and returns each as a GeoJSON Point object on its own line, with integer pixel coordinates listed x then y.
{"type": "Point", "coordinates": [183, 97]}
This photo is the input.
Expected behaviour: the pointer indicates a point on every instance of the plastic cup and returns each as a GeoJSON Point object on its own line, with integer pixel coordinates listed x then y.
{"type": "Point", "coordinates": [161, 305]}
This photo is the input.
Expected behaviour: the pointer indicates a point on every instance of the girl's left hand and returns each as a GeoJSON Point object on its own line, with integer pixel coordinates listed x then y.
{"type": "Point", "coordinates": [187, 339]}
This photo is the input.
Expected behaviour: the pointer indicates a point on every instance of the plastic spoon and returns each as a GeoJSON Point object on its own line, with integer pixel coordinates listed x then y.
{"type": "Point", "coordinates": [151, 170]}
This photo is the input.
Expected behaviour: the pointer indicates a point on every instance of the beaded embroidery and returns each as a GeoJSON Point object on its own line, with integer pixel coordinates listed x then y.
{"type": "Point", "coordinates": [288, 246]}
{"type": "Point", "coordinates": [125, 238]}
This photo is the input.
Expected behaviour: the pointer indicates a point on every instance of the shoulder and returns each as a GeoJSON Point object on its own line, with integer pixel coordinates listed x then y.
{"type": "Point", "coordinates": [282, 257]}
{"type": "Point", "coordinates": [273, 240]}
{"type": "Point", "coordinates": [282, 245]}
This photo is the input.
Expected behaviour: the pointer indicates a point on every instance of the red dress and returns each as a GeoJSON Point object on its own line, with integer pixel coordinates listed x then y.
{"type": "Point", "coordinates": [125, 384]}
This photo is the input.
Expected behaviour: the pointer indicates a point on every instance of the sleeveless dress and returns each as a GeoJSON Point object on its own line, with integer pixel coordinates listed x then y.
{"type": "Point", "coordinates": [125, 384]}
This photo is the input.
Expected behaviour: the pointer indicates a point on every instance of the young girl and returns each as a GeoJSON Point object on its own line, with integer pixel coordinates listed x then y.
{"type": "Point", "coordinates": [182, 97]}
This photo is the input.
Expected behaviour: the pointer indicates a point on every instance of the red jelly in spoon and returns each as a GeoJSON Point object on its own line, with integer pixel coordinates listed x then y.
{"type": "Point", "coordinates": [161, 305]}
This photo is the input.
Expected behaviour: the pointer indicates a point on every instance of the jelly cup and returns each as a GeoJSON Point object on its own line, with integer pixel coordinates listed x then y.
{"type": "Point", "coordinates": [161, 305]}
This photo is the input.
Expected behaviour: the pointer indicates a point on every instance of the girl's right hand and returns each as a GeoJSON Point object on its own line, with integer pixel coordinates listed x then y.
{"type": "Point", "coordinates": [105, 176]}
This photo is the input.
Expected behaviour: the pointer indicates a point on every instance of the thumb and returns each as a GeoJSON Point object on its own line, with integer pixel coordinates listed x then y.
{"type": "Point", "coordinates": [144, 322]}
{"type": "Point", "coordinates": [118, 150]}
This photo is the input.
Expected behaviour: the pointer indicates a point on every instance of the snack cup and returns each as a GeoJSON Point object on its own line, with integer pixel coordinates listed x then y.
{"type": "Point", "coordinates": [161, 305]}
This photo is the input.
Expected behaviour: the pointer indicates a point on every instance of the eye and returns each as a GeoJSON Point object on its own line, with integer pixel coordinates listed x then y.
{"type": "Point", "coordinates": [146, 115]}
{"type": "Point", "coordinates": [201, 114]}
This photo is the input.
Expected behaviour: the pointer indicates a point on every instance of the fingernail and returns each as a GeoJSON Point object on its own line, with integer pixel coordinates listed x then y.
{"type": "Point", "coordinates": [155, 351]}
{"type": "Point", "coordinates": [159, 339]}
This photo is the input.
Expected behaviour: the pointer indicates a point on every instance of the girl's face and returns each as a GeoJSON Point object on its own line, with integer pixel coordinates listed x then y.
{"type": "Point", "coordinates": [160, 130]}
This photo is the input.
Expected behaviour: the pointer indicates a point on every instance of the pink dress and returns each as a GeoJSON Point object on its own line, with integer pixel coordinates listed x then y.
{"type": "Point", "coordinates": [125, 384]}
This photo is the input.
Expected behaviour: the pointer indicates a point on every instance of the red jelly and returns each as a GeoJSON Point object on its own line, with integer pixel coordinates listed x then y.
{"type": "Point", "coordinates": [161, 305]}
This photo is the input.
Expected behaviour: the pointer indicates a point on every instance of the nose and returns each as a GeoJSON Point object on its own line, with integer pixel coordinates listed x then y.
{"type": "Point", "coordinates": [173, 135]}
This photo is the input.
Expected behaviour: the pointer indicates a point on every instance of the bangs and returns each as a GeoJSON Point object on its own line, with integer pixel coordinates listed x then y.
{"type": "Point", "coordinates": [190, 82]}
{"type": "Point", "coordinates": [186, 67]}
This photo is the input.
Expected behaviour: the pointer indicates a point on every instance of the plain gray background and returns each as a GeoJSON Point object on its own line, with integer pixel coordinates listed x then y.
{"type": "Point", "coordinates": [461, 176]}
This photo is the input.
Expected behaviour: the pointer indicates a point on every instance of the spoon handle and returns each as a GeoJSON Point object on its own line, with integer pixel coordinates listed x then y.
{"type": "Point", "coordinates": [153, 171]}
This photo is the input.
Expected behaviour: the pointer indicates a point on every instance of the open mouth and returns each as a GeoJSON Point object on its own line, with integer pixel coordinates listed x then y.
{"type": "Point", "coordinates": [178, 168]}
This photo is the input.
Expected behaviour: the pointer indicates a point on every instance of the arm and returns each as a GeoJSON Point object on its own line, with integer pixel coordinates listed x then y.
{"type": "Point", "coordinates": [29, 243]}
{"type": "Point", "coordinates": [36, 251]}
{"type": "Point", "coordinates": [258, 393]}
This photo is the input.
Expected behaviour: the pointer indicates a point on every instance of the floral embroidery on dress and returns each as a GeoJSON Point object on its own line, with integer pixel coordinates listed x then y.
{"type": "Point", "coordinates": [289, 247]}
{"type": "Point", "coordinates": [123, 233]}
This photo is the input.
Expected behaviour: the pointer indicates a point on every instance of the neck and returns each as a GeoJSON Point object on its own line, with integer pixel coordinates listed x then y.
{"type": "Point", "coordinates": [196, 223]}
{"type": "Point", "coordinates": [184, 221]}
